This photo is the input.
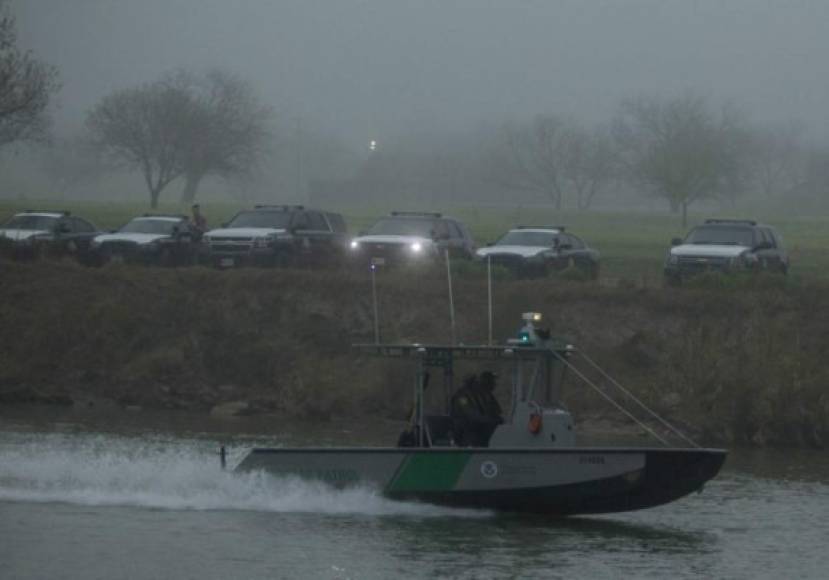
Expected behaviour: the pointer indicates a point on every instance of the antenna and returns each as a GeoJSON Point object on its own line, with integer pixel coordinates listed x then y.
{"type": "Point", "coordinates": [451, 297]}
{"type": "Point", "coordinates": [489, 296]}
{"type": "Point", "coordinates": [373, 269]}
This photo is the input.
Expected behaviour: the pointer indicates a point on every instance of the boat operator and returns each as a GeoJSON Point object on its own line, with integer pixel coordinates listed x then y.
{"type": "Point", "coordinates": [475, 410]}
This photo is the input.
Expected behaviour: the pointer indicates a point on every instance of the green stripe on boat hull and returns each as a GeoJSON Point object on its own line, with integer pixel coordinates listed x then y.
{"type": "Point", "coordinates": [429, 472]}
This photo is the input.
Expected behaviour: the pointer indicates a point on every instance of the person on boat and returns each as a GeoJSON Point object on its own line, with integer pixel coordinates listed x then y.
{"type": "Point", "coordinates": [475, 410]}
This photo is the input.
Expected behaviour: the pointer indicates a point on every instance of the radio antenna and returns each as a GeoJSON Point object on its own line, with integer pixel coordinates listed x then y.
{"type": "Point", "coordinates": [451, 297]}
{"type": "Point", "coordinates": [489, 296]}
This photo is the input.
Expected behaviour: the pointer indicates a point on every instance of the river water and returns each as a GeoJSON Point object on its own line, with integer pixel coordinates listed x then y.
{"type": "Point", "coordinates": [141, 496]}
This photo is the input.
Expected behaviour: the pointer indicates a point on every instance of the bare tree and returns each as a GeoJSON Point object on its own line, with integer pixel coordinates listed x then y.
{"type": "Point", "coordinates": [590, 163]}
{"type": "Point", "coordinates": [145, 129]}
{"type": "Point", "coordinates": [680, 149]}
{"type": "Point", "coordinates": [226, 131]}
{"type": "Point", "coordinates": [532, 157]}
{"type": "Point", "coordinates": [182, 125]}
{"type": "Point", "coordinates": [777, 157]}
{"type": "Point", "coordinates": [26, 87]}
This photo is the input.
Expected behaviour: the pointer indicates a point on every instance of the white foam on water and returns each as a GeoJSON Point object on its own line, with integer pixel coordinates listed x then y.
{"type": "Point", "coordinates": [176, 475]}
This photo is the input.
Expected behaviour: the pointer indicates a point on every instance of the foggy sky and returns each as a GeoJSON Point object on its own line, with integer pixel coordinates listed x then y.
{"type": "Point", "coordinates": [381, 68]}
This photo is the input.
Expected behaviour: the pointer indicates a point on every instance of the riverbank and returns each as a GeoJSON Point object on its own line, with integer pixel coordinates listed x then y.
{"type": "Point", "coordinates": [734, 365]}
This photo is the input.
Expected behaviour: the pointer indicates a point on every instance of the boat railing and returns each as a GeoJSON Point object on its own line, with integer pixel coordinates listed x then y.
{"type": "Point", "coordinates": [432, 355]}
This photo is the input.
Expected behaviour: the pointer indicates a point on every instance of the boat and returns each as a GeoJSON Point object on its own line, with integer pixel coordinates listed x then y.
{"type": "Point", "coordinates": [531, 463]}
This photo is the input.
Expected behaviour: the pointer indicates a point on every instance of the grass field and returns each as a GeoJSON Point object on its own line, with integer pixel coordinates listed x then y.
{"type": "Point", "coordinates": [632, 245]}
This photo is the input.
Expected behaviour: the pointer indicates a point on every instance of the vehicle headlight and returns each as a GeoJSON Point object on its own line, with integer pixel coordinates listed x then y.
{"type": "Point", "coordinates": [416, 247]}
{"type": "Point", "coordinates": [673, 259]}
{"type": "Point", "coordinates": [355, 245]}
{"type": "Point", "coordinates": [206, 239]}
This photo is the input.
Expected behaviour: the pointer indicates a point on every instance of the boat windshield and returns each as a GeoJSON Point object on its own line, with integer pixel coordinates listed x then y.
{"type": "Point", "coordinates": [729, 236]}
{"type": "Point", "coordinates": [150, 226]}
{"type": "Point", "coordinates": [393, 226]}
{"type": "Point", "coordinates": [524, 238]}
{"type": "Point", "coordinates": [261, 219]}
{"type": "Point", "coordinates": [31, 222]}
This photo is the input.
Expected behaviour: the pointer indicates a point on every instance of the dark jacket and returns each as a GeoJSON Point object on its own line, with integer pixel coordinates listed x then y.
{"type": "Point", "coordinates": [476, 414]}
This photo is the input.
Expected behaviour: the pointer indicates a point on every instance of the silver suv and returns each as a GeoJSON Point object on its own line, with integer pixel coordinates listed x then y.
{"type": "Point", "coordinates": [723, 245]}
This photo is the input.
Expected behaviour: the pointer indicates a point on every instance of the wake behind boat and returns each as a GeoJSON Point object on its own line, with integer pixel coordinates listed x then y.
{"type": "Point", "coordinates": [530, 463]}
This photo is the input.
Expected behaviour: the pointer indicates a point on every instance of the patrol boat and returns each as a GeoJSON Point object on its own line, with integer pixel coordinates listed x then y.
{"type": "Point", "coordinates": [532, 463]}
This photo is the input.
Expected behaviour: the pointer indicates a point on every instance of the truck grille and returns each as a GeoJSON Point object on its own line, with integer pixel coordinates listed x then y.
{"type": "Point", "coordinates": [510, 261]}
{"type": "Point", "coordinates": [700, 264]}
{"type": "Point", "coordinates": [231, 247]}
{"type": "Point", "coordinates": [120, 248]}
{"type": "Point", "coordinates": [390, 251]}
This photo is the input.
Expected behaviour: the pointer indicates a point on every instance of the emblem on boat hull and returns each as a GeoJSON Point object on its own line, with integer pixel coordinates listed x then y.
{"type": "Point", "coordinates": [489, 469]}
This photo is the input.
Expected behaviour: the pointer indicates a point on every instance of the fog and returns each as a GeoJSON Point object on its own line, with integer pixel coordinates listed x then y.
{"type": "Point", "coordinates": [357, 70]}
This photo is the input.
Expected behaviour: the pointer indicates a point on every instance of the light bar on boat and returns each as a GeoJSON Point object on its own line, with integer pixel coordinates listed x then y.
{"type": "Point", "coordinates": [531, 316]}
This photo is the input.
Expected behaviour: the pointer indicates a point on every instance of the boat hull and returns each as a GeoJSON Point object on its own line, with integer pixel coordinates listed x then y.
{"type": "Point", "coordinates": [549, 481]}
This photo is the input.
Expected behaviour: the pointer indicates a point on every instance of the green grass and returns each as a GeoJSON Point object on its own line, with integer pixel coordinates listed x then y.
{"type": "Point", "coordinates": [632, 245]}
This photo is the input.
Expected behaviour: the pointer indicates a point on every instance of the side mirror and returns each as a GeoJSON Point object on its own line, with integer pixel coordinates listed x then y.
{"type": "Point", "coordinates": [490, 244]}
{"type": "Point", "coordinates": [676, 242]}
{"type": "Point", "coordinates": [763, 246]}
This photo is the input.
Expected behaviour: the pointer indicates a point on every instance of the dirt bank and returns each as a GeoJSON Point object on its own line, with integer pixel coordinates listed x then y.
{"type": "Point", "coordinates": [737, 366]}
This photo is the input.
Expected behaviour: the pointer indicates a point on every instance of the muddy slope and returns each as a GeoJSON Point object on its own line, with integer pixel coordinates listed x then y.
{"type": "Point", "coordinates": [735, 365]}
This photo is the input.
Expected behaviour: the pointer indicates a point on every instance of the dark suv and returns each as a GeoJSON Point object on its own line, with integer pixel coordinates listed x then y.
{"type": "Point", "coordinates": [726, 246]}
{"type": "Point", "coordinates": [35, 233]}
{"type": "Point", "coordinates": [406, 236]}
{"type": "Point", "coordinates": [277, 235]}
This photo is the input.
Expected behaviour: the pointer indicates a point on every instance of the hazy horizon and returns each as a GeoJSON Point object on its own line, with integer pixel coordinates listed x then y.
{"type": "Point", "coordinates": [381, 69]}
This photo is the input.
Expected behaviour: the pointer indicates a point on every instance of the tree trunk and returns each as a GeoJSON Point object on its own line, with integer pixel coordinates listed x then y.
{"type": "Point", "coordinates": [154, 193]}
{"type": "Point", "coordinates": [684, 214]}
{"type": "Point", "coordinates": [191, 185]}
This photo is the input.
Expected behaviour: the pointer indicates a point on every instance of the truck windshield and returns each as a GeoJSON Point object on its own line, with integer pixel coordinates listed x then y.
{"type": "Point", "coordinates": [261, 219]}
{"type": "Point", "coordinates": [521, 238]}
{"type": "Point", "coordinates": [149, 226]}
{"type": "Point", "coordinates": [721, 235]}
{"type": "Point", "coordinates": [31, 222]}
{"type": "Point", "coordinates": [424, 228]}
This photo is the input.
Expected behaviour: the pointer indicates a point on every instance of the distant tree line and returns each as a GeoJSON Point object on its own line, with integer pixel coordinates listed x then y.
{"type": "Point", "coordinates": [678, 149]}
